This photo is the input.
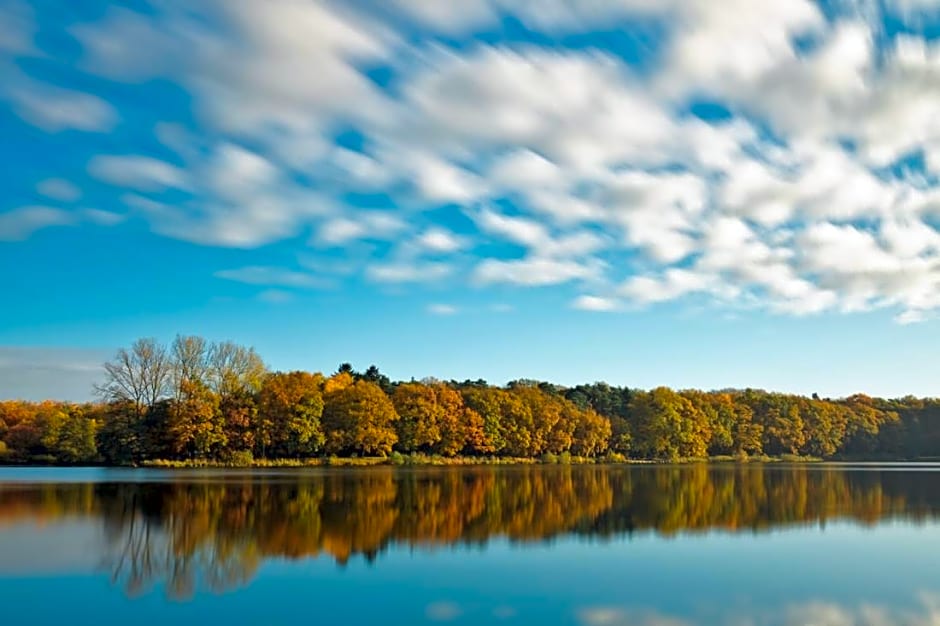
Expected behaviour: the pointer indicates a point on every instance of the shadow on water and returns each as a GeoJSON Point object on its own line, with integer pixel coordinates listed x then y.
{"type": "Point", "coordinates": [191, 531]}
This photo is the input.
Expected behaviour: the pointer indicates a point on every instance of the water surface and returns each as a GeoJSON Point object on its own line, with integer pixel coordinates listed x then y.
{"type": "Point", "coordinates": [829, 545]}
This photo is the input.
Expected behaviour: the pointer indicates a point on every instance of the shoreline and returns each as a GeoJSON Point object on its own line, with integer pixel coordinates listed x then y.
{"type": "Point", "coordinates": [430, 461]}
{"type": "Point", "coordinates": [424, 460]}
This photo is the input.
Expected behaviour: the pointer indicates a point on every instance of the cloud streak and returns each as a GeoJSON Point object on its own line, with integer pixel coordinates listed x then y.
{"type": "Point", "coordinates": [25, 372]}
{"type": "Point", "coordinates": [807, 181]}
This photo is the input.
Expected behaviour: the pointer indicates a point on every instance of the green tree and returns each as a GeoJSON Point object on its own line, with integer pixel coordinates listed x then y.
{"type": "Point", "coordinates": [76, 438]}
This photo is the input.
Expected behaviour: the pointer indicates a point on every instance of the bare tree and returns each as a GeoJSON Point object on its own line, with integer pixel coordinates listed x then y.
{"type": "Point", "coordinates": [140, 375]}
{"type": "Point", "coordinates": [234, 369]}
{"type": "Point", "coordinates": [190, 362]}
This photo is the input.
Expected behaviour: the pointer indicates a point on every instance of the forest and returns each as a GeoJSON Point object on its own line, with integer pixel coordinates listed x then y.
{"type": "Point", "coordinates": [205, 402]}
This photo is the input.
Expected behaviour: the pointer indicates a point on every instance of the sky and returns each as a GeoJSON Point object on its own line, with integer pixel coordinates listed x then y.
{"type": "Point", "coordinates": [693, 193]}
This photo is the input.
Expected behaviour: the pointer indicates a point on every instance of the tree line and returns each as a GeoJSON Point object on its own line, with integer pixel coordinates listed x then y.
{"type": "Point", "coordinates": [195, 400]}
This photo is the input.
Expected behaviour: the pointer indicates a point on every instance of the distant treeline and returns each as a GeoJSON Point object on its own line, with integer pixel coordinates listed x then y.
{"type": "Point", "coordinates": [199, 401]}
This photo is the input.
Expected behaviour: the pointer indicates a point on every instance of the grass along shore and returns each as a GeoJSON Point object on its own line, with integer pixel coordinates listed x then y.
{"type": "Point", "coordinates": [396, 459]}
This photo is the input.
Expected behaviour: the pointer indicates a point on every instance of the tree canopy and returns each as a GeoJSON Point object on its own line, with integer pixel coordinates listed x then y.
{"type": "Point", "coordinates": [196, 399]}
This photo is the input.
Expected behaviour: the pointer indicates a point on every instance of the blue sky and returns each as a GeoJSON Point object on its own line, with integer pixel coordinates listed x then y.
{"type": "Point", "coordinates": [695, 193]}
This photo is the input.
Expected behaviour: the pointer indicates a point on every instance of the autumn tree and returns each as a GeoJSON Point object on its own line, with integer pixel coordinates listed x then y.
{"type": "Point", "coordinates": [239, 414]}
{"type": "Point", "coordinates": [358, 418]}
{"type": "Point", "coordinates": [537, 421]}
{"type": "Point", "coordinates": [517, 425]}
{"type": "Point", "coordinates": [591, 434]}
{"type": "Point", "coordinates": [667, 425]}
{"type": "Point", "coordinates": [419, 417]}
{"type": "Point", "coordinates": [198, 399]}
{"type": "Point", "coordinates": [119, 437]}
{"type": "Point", "coordinates": [290, 406]}
{"type": "Point", "coordinates": [747, 435]}
{"type": "Point", "coordinates": [461, 427]}
{"type": "Point", "coordinates": [196, 428]}
{"type": "Point", "coordinates": [486, 403]}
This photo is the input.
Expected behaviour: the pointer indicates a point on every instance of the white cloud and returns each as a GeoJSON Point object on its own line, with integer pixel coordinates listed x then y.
{"type": "Point", "coordinates": [126, 45]}
{"type": "Point", "coordinates": [405, 272]}
{"type": "Point", "coordinates": [240, 199]}
{"type": "Point", "coordinates": [673, 284]}
{"type": "Point", "coordinates": [138, 172]}
{"type": "Point", "coordinates": [588, 163]}
{"type": "Point", "coordinates": [909, 237]}
{"type": "Point", "coordinates": [364, 169]}
{"type": "Point", "coordinates": [522, 168]}
{"type": "Point", "coordinates": [19, 224]}
{"type": "Point", "coordinates": [271, 276]}
{"type": "Point", "coordinates": [657, 212]}
{"type": "Point", "coordinates": [439, 181]}
{"type": "Point", "coordinates": [17, 27]}
{"type": "Point", "coordinates": [442, 309]}
{"type": "Point", "coordinates": [534, 235]}
{"type": "Point", "coordinates": [340, 231]}
{"type": "Point", "coordinates": [102, 217]}
{"type": "Point", "coordinates": [595, 303]}
{"type": "Point", "coordinates": [273, 78]}
{"type": "Point", "coordinates": [523, 231]}
{"type": "Point", "coordinates": [246, 67]}
{"type": "Point", "coordinates": [439, 240]}
{"type": "Point", "coordinates": [37, 374]}
{"type": "Point", "coordinates": [554, 16]}
{"type": "Point", "coordinates": [910, 317]}
{"type": "Point", "coordinates": [379, 225]}
{"type": "Point", "coordinates": [269, 47]}
{"type": "Point", "coordinates": [535, 271]}
{"type": "Point", "coordinates": [59, 189]}
{"type": "Point", "coordinates": [54, 109]}
{"type": "Point", "coordinates": [235, 171]}
{"type": "Point", "coordinates": [729, 244]}
{"type": "Point", "coordinates": [720, 46]}
{"type": "Point", "coordinates": [579, 110]}
{"type": "Point", "coordinates": [448, 17]}
{"type": "Point", "coordinates": [913, 11]}
{"type": "Point", "coordinates": [275, 296]}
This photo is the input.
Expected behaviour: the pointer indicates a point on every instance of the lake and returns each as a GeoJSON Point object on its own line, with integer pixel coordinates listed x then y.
{"type": "Point", "coordinates": [822, 545]}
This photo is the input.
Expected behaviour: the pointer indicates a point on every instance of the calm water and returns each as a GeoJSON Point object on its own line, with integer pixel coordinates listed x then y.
{"type": "Point", "coordinates": [596, 546]}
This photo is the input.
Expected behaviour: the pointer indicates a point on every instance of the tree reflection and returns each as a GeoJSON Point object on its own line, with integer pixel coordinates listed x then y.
{"type": "Point", "coordinates": [190, 535]}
